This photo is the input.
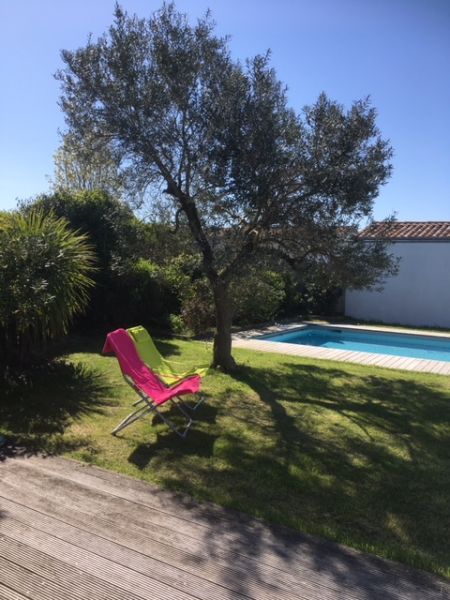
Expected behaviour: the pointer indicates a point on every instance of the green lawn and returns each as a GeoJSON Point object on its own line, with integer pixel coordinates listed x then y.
{"type": "Point", "coordinates": [356, 454]}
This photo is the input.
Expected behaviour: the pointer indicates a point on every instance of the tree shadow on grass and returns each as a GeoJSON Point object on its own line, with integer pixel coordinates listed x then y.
{"type": "Point", "coordinates": [347, 456]}
{"type": "Point", "coordinates": [198, 443]}
{"type": "Point", "coordinates": [361, 459]}
{"type": "Point", "coordinates": [367, 455]}
{"type": "Point", "coordinates": [38, 406]}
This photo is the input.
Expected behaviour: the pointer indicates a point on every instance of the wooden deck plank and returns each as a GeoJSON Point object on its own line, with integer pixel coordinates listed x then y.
{"type": "Point", "coordinates": [131, 579]}
{"type": "Point", "coordinates": [260, 582]}
{"type": "Point", "coordinates": [286, 551]}
{"type": "Point", "coordinates": [409, 364]}
{"type": "Point", "coordinates": [99, 501]}
{"type": "Point", "coordinates": [235, 531]}
{"type": "Point", "coordinates": [435, 367]}
{"type": "Point", "coordinates": [26, 583]}
{"type": "Point", "coordinates": [307, 582]}
{"type": "Point", "coordinates": [7, 593]}
{"type": "Point", "coordinates": [396, 361]}
{"type": "Point", "coordinates": [228, 529]}
{"type": "Point", "coordinates": [445, 369]}
{"type": "Point", "coordinates": [64, 521]}
{"type": "Point", "coordinates": [205, 515]}
{"type": "Point", "coordinates": [359, 357]}
{"type": "Point", "coordinates": [90, 563]}
{"type": "Point", "coordinates": [115, 552]}
{"type": "Point", "coordinates": [42, 579]}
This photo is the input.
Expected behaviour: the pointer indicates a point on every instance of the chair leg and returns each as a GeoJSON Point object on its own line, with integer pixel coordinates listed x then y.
{"type": "Point", "coordinates": [132, 417]}
{"type": "Point", "coordinates": [145, 410]}
{"type": "Point", "coordinates": [182, 434]}
{"type": "Point", "coordinates": [200, 401]}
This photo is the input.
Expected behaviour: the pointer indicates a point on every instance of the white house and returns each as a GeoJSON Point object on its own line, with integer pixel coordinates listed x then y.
{"type": "Point", "coordinates": [420, 293]}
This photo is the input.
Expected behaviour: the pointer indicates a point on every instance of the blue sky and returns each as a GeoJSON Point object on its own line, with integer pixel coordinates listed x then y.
{"type": "Point", "coordinates": [396, 51]}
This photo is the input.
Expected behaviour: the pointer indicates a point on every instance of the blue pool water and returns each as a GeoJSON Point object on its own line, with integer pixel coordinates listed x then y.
{"type": "Point", "coordinates": [395, 344]}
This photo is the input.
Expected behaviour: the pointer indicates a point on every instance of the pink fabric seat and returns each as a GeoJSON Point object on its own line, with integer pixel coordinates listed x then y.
{"type": "Point", "coordinates": [121, 344]}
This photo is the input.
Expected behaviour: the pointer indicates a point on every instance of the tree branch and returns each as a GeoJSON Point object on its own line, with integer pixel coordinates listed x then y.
{"type": "Point", "coordinates": [177, 221]}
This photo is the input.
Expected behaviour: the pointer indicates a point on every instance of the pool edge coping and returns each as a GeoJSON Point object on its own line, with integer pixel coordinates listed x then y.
{"type": "Point", "coordinates": [252, 340]}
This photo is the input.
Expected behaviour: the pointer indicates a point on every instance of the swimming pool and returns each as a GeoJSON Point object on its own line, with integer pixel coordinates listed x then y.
{"type": "Point", "coordinates": [394, 344]}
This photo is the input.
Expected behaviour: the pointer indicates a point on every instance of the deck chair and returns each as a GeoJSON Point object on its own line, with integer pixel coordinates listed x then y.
{"type": "Point", "coordinates": [152, 392]}
{"type": "Point", "coordinates": [169, 372]}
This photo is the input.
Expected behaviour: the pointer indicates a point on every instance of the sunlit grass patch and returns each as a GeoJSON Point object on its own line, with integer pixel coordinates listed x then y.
{"type": "Point", "coordinates": [356, 454]}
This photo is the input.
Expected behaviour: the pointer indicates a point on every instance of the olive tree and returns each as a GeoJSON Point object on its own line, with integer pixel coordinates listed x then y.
{"type": "Point", "coordinates": [86, 164]}
{"type": "Point", "coordinates": [248, 175]}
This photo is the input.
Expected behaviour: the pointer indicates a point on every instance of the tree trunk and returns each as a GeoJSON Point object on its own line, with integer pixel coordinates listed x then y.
{"type": "Point", "coordinates": [222, 339]}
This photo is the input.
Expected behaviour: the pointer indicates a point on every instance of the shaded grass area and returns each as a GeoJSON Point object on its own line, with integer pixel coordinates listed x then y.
{"type": "Point", "coordinates": [38, 407]}
{"type": "Point", "coordinates": [356, 454]}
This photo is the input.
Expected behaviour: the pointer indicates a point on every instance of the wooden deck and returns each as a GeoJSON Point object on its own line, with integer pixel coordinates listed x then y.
{"type": "Point", "coordinates": [70, 531]}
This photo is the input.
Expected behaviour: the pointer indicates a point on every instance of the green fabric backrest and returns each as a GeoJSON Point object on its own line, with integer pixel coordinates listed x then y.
{"type": "Point", "coordinates": [149, 353]}
{"type": "Point", "coordinates": [147, 349]}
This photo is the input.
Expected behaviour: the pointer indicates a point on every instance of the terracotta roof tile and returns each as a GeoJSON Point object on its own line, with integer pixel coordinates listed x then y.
{"type": "Point", "coordinates": [408, 230]}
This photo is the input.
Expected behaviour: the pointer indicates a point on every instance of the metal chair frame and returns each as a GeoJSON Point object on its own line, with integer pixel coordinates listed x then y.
{"type": "Point", "coordinates": [149, 406]}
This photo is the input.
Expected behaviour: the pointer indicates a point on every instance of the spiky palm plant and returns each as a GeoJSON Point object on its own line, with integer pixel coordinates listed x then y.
{"type": "Point", "coordinates": [44, 281]}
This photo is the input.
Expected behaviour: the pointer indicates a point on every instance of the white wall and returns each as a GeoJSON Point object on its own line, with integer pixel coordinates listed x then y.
{"type": "Point", "coordinates": [418, 295]}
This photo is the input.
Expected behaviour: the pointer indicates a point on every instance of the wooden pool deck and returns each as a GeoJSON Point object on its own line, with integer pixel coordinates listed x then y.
{"type": "Point", "coordinates": [251, 340]}
{"type": "Point", "coordinates": [73, 532]}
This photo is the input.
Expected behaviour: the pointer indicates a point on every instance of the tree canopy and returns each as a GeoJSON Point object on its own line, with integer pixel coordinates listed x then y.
{"type": "Point", "coordinates": [87, 164]}
{"type": "Point", "coordinates": [216, 138]}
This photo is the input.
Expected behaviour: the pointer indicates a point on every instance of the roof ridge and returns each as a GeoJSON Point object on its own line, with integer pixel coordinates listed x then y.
{"type": "Point", "coordinates": [408, 230]}
{"type": "Point", "coordinates": [402, 222]}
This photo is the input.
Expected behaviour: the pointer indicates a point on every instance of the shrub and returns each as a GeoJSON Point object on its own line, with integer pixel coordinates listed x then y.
{"type": "Point", "coordinates": [184, 275]}
{"type": "Point", "coordinates": [130, 288]}
{"type": "Point", "coordinates": [308, 297]}
{"type": "Point", "coordinates": [44, 282]}
{"type": "Point", "coordinates": [115, 234]}
{"type": "Point", "coordinates": [140, 294]}
{"type": "Point", "coordinates": [177, 324]}
{"type": "Point", "coordinates": [197, 307]}
{"type": "Point", "coordinates": [112, 228]}
{"type": "Point", "coordinates": [257, 297]}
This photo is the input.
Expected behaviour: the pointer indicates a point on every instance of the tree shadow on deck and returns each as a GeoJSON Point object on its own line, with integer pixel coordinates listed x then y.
{"type": "Point", "coordinates": [363, 459]}
{"type": "Point", "coordinates": [38, 405]}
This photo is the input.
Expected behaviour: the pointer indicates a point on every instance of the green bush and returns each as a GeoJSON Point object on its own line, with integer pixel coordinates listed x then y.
{"type": "Point", "coordinates": [306, 297]}
{"type": "Point", "coordinates": [113, 230]}
{"type": "Point", "coordinates": [177, 324]}
{"type": "Point", "coordinates": [140, 294]}
{"type": "Point", "coordinates": [129, 286]}
{"type": "Point", "coordinates": [197, 307]}
{"type": "Point", "coordinates": [44, 282]}
{"type": "Point", "coordinates": [114, 233]}
{"type": "Point", "coordinates": [194, 310]}
{"type": "Point", "coordinates": [257, 297]}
